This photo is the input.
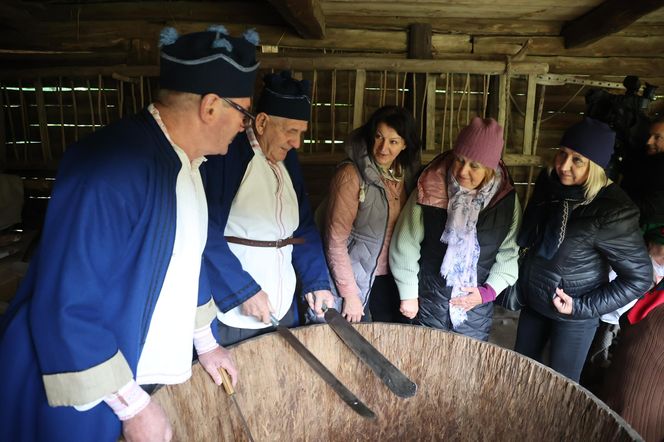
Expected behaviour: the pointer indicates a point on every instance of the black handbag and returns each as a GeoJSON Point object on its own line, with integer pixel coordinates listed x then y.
{"type": "Point", "coordinates": [512, 298]}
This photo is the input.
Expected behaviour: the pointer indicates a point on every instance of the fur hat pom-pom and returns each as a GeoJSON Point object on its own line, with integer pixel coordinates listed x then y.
{"type": "Point", "coordinates": [168, 36]}
{"type": "Point", "coordinates": [219, 29]}
{"type": "Point", "coordinates": [252, 36]}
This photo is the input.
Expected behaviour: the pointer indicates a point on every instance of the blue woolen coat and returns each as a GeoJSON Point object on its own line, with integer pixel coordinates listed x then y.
{"type": "Point", "coordinates": [91, 288]}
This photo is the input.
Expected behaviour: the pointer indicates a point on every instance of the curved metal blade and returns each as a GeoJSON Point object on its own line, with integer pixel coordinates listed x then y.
{"type": "Point", "coordinates": [340, 389]}
{"type": "Point", "coordinates": [391, 376]}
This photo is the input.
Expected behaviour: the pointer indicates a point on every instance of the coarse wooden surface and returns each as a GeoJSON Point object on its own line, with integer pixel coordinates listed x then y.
{"type": "Point", "coordinates": [467, 390]}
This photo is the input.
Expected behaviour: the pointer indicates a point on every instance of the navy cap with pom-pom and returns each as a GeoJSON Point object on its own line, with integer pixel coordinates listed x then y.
{"type": "Point", "coordinates": [209, 62]}
{"type": "Point", "coordinates": [284, 96]}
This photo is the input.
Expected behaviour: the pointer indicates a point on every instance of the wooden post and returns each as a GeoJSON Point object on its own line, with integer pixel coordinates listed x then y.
{"type": "Point", "coordinates": [358, 101]}
{"type": "Point", "coordinates": [24, 121]}
{"type": "Point", "coordinates": [100, 87]}
{"type": "Point", "coordinates": [74, 109]}
{"type": "Point", "coordinates": [538, 124]}
{"type": "Point", "coordinates": [502, 96]}
{"type": "Point", "coordinates": [530, 115]}
{"type": "Point", "coordinates": [431, 112]}
{"type": "Point", "coordinates": [92, 106]}
{"type": "Point", "coordinates": [10, 118]}
{"type": "Point", "coordinates": [419, 47]}
{"type": "Point", "coordinates": [3, 138]}
{"type": "Point", "coordinates": [63, 141]}
{"type": "Point", "coordinates": [333, 105]}
{"type": "Point", "coordinates": [43, 123]}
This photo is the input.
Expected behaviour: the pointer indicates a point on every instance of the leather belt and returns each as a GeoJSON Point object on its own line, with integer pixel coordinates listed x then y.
{"type": "Point", "coordinates": [256, 243]}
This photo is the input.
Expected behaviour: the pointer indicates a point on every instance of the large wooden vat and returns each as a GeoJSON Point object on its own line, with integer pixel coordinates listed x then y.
{"type": "Point", "coordinates": [467, 390]}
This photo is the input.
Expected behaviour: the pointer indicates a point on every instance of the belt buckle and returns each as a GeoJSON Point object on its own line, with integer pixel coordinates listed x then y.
{"type": "Point", "coordinates": [277, 243]}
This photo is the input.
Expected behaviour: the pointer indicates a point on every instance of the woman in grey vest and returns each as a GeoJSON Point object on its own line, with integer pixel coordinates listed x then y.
{"type": "Point", "coordinates": [366, 196]}
{"type": "Point", "coordinates": [454, 245]}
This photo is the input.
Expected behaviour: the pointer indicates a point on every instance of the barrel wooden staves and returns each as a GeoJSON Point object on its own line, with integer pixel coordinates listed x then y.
{"type": "Point", "coordinates": [467, 390]}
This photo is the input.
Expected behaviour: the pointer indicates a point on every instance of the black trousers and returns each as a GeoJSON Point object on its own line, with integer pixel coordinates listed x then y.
{"type": "Point", "coordinates": [569, 341]}
{"type": "Point", "coordinates": [384, 301]}
{"type": "Point", "coordinates": [227, 335]}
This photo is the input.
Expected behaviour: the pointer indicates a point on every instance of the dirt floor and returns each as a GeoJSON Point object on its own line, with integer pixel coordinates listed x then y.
{"type": "Point", "coordinates": [503, 331]}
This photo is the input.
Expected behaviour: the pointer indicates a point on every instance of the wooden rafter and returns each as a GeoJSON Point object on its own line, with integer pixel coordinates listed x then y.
{"type": "Point", "coordinates": [305, 16]}
{"type": "Point", "coordinates": [605, 19]}
{"type": "Point", "coordinates": [13, 14]}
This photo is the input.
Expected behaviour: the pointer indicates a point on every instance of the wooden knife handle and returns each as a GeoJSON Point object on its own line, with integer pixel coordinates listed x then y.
{"type": "Point", "coordinates": [226, 381]}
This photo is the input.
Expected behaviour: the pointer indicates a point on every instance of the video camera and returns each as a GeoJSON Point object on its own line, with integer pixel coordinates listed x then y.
{"type": "Point", "coordinates": [625, 115]}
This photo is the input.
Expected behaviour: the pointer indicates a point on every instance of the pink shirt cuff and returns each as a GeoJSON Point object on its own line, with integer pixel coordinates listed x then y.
{"type": "Point", "coordinates": [487, 293]}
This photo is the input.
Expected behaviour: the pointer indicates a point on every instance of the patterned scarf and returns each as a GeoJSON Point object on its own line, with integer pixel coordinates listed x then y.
{"type": "Point", "coordinates": [459, 266]}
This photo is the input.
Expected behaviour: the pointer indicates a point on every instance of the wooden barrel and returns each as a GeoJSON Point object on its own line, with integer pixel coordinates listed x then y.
{"type": "Point", "coordinates": [467, 390]}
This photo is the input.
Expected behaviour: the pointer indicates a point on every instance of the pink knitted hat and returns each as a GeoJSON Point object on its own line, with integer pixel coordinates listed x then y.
{"type": "Point", "coordinates": [481, 141]}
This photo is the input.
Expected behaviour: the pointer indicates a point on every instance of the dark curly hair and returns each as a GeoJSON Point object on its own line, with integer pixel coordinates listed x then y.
{"type": "Point", "coordinates": [402, 121]}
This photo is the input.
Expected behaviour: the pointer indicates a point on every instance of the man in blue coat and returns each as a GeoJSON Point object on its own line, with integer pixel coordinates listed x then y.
{"type": "Point", "coordinates": [262, 239]}
{"type": "Point", "coordinates": [111, 300]}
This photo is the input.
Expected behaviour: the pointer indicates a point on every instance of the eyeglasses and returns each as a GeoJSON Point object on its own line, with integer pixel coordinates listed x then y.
{"type": "Point", "coordinates": [248, 116]}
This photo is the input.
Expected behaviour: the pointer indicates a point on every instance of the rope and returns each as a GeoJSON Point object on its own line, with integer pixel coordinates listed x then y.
{"type": "Point", "coordinates": [564, 105]}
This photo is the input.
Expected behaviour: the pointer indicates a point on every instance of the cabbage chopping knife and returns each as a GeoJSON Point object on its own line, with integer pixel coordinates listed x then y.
{"type": "Point", "coordinates": [340, 389]}
{"type": "Point", "coordinates": [228, 386]}
{"type": "Point", "coordinates": [391, 376]}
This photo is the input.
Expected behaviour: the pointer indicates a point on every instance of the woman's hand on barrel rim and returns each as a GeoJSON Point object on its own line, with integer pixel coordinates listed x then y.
{"type": "Point", "coordinates": [352, 308]}
{"type": "Point", "coordinates": [409, 307]}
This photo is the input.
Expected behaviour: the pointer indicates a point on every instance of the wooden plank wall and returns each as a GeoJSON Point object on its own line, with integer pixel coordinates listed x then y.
{"type": "Point", "coordinates": [43, 116]}
{"type": "Point", "coordinates": [79, 44]}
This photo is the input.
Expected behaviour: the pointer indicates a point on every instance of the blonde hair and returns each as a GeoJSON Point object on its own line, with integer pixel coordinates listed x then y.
{"type": "Point", "coordinates": [489, 173]}
{"type": "Point", "coordinates": [596, 181]}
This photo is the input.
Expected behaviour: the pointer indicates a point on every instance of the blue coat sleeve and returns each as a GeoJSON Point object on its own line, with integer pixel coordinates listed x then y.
{"type": "Point", "coordinates": [308, 258]}
{"type": "Point", "coordinates": [229, 283]}
{"type": "Point", "coordinates": [79, 268]}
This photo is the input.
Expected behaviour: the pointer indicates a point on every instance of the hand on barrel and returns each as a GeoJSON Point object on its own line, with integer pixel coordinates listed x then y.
{"type": "Point", "coordinates": [563, 302]}
{"type": "Point", "coordinates": [409, 308]}
{"type": "Point", "coordinates": [352, 309]}
{"type": "Point", "coordinates": [150, 424]}
{"type": "Point", "coordinates": [317, 298]}
{"type": "Point", "coordinates": [219, 357]}
{"type": "Point", "coordinates": [258, 306]}
{"type": "Point", "coordinates": [468, 301]}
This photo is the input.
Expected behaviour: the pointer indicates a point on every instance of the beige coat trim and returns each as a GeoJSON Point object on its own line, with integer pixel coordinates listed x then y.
{"type": "Point", "coordinates": [205, 314]}
{"type": "Point", "coordinates": [83, 387]}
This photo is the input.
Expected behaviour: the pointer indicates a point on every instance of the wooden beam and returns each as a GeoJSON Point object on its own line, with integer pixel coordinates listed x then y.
{"type": "Point", "coordinates": [419, 47]}
{"type": "Point", "coordinates": [502, 99]}
{"type": "Point", "coordinates": [251, 12]}
{"type": "Point", "coordinates": [402, 65]}
{"type": "Point", "coordinates": [305, 16]}
{"type": "Point", "coordinates": [13, 14]}
{"type": "Point", "coordinates": [3, 132]}
{"type": "Point", "coordinates": [430, 113]}
{"type": "Point", "coordinates": [512, 10]}
{"type": "Point", "coordinates": [510, 159]}
{"type": "Point", "coordinates": [619, 66]}
{"type": "Point", "coordinates": [305, 64]}
{"type": "Point", "coordinates": [43, 123]}
{"type": "Point", "coordinates": [358, 102]}
{"type": "Point", "coordinates": [530, 115]}
{"type": "Point", "coordinates": [477, 26]}
{"type": "Point", "coordinates": [607, 18]}
{"type": "Point", "coordinates": [626, 46]}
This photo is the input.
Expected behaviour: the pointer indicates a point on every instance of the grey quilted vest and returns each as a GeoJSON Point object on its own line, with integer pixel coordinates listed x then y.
{"type": "Point", "coordinates": [368, 233]}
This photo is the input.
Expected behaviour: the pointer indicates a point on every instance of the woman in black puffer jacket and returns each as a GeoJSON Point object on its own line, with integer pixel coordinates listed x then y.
{"type": "Point", "coordinates": [577, 227]}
